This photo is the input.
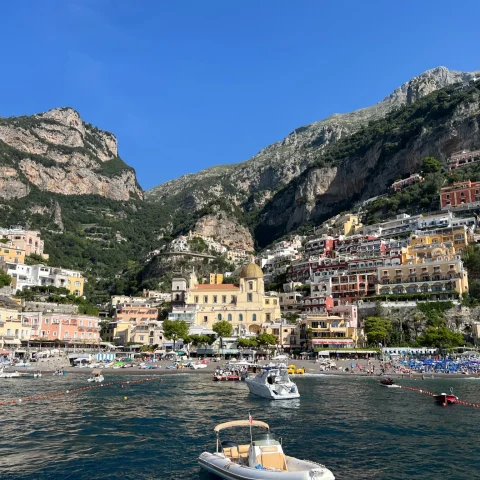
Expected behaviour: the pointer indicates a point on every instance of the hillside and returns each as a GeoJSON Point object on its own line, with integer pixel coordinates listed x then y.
{"type": "Point", "coordinates": [64, 176]}
{"type": "Point", "coordinates": [251, 184]}
{"type": "Point", "coordinates": [58, 152]}
{"type": "Point", "coordinates": [366, 164]}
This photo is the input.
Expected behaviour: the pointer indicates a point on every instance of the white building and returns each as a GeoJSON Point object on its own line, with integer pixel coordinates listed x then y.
{"type": "Point", "coordinates": [180, 244]}
{"type": "Point", "coordinates": [26, 276]}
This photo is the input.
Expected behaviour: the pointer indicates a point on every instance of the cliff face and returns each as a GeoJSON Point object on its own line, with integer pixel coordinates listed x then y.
{"type": "Point", "coordinates": [373, 166]}
{"type": "Point", "coordinates": [226, 231]}
{"type": "Point", "coordinates": [58, 152]}
{"type": "Point", "coordinates": [251, 184]}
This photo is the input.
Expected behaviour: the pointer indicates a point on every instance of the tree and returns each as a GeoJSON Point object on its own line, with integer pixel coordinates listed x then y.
{"type": "Point", "coordinates": [5, 279]}
{"type": "Point", "coordinates": [222, 329]}
{"type": "Point", "coordinates": [175, 329]}
{"type": "Point", "coordinates": [441, 337]}
{"type": "Point", "coordinates": [377, 329]}
{"type": "Point", "coordinates": [266, 339]}
{"type": "Point", "coordinates": [431, 165]}
{"type": "Point", "coordinates": [247, 342]}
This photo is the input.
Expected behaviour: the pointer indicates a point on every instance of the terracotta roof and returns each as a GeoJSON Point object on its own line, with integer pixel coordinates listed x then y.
{"type": "Point", "coordinates": [222, 286]}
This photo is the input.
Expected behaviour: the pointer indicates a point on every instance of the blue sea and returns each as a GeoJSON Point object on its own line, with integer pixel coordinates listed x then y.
{"type": "Point", "coordinates": [355, 427]}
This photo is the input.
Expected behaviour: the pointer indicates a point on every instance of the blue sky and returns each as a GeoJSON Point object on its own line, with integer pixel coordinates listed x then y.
{"type": "Point", "coordinates": [185, 85]}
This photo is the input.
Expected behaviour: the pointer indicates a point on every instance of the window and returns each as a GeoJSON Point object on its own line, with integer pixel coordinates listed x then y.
{"type": "Point", "coordinates": [249, 297]}
{"type": "Point", "coordinates": [240, 317]}
{"type": "Point", "coordinates": [250, 285]}
{"type": "Point", "coordinates": [274, 302]}
{"type": "Point", "coordinates": [254, 317]}
{"type": "Point", "coordinates": [195, 299]}
{"type": "Point", "coordinates": [224, 299]}
{"type": "Point", "coordinates": [46, 321]}
{"type": "Point", "coordinates": [214, 299]}
{"type": "Point", "coordinates": [205, 299]}
{"type": "Point", "coordinates": [229, 317]}
{"type": "Point", "coordinates": [141, 338]}
{"type": "Point", "coordinates": [267, 301]}
{"type": "Point", "coordinates": [205, 319]}
{"type": "Point", "coordinates": [268, 317]}
{"type": "Point", "coordinates": [219, 317]}
{"type": "Point", "coordinates": [234, 299]}
{"type": "Point", "coordinates": [77, 284]}
{"type": "Point", "coordinates": [55, 334]}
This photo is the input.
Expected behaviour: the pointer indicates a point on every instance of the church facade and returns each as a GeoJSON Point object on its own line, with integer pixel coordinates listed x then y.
{"type": "Point", "coordinates": [245, 305]}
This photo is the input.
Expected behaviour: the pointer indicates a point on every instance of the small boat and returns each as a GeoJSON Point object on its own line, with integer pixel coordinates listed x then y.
{"type": "Point", "coordinates": [273, 383]}
{"type": "Point", "coordinates": [446, 398]}
{"type": "Point", "coordinates": [4, 374]}
{"type": "Point", "coordinates": [261, 459]}
{"type": "Point", "coordinates": [96, 377]}
{"type": "Point", "coordinates": [386, 382]}
{"type": "Point", "coordinates": [31, 374]}
{"type": "Point", "coordinates": [197, 366]}
{"type": "Point", "coordinates": [225, 377]}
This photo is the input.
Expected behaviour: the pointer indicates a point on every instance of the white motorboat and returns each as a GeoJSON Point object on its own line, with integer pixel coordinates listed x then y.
{"type": "Point", "coordinates": [96, 377]}
{"type": "Point", "coordinates": [273, 383]}
{"type": "Point", "coordinates": [4, 374]}
{"type": "Point", "coordinates": [261, 459]}
{"type": "Point", "coordinates": [197, 366]}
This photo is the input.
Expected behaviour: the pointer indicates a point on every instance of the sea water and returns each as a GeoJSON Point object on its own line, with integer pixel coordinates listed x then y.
{"type": "Point", "coordinates": [156, 430]}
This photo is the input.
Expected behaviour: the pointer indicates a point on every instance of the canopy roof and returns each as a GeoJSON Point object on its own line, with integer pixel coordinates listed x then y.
{"type": "Point", "coordinates": [241, 423]}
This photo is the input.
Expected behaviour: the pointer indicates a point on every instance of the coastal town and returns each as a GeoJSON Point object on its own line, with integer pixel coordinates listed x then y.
{"type": "Point", "coordinates": [306, 294]}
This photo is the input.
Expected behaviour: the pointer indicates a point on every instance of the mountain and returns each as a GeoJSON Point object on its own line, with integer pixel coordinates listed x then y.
{"type": "Point", "coordinates": [252, 183]}
{"type": "Point", "coordinates": [58, 152]}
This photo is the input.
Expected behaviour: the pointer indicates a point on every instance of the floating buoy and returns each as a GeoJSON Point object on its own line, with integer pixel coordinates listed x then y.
{"type": "Point", "coordinates": [125, 398]}
{"type": "Point", "coordinates": [444, 404]}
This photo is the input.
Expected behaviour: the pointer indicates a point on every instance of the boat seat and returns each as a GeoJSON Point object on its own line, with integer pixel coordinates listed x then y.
{"type": "Point", "coordinates": [243, 451]}
{"type": "Point", "coordinates": [269, 449]}
{"type": "Point", "coordinates": [273, 460]}
{"type": "Point", "coordinates": [231, 452]}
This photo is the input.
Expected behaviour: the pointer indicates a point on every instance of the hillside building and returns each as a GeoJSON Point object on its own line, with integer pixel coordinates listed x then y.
{"type": "Point", "coordinates": [245, 305]}
{"type": "Point", "coordinates": [28, 240]}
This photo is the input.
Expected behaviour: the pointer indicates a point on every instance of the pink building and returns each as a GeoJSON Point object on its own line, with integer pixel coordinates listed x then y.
{"type": "Point", "coordinates": [65, 327]}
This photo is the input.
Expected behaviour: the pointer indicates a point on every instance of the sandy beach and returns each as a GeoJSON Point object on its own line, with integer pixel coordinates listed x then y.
{"type": "Point", "coordinates": [52, 364]}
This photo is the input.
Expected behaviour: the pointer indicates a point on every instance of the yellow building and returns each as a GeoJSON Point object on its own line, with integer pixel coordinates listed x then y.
{"type": "Point", "coordinates": [246, 305]}
{"type": "Point", "coordinates": [13, 330]}
{"type": "Point", "coordinates": [442, 278]}
{"type": "Point", "coordinates": [347, 224]}
{"type": "Point", "coordinates": [329, 331]}
{"type": "Point", "coordinates": [8, 253]}
{"type": "Point", "coordinates": [451, 237]}
{"type": "Point", "coordinates": [215, 279]}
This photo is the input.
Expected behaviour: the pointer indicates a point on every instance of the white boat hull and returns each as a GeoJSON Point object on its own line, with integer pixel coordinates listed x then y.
{"type": "Point", "coordinates": [224, 468]}
{"type": "Point", "coordinates": [272, 392]}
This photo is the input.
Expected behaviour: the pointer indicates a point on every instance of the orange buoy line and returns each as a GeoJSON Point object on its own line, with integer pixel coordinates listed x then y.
{"type": "Point", "coordinates": [426, 392]}
{"type": "Point", "coordinates": [47, 396]}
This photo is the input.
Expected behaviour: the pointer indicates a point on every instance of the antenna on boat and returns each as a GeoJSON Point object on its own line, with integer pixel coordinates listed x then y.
{"type": "Point", "coordinates": [250, 421]}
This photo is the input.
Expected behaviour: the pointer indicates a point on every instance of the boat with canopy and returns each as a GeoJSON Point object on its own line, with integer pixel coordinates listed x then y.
{"type": "Point", "coordinates": [260, 459]}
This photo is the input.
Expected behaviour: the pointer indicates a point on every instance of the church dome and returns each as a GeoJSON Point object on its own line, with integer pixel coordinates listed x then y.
{"type": "Point", "coordinates": [252, 270]}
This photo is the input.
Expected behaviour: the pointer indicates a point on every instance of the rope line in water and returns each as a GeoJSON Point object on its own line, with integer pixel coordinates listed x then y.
{"type": "Point", "coordinates": [426, 392]}
{"type": "Point", "coordinates": [36, 398]}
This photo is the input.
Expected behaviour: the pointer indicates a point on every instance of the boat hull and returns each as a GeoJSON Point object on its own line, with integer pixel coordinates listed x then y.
{"type": "Point", "coordinates": [444, 398]}
{"type": "Point", "coordinates": [273, 392]}
{"type": "Point", "coordinates": [224, 468]}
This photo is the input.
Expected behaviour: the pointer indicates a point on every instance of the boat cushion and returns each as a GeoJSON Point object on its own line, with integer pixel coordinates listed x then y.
{"type": "Point", "coordinates": [231, 452]}
{"type": "Point", "coordinates": [273, 460]}
{"type": "Point", "coordinates": [269, 449]}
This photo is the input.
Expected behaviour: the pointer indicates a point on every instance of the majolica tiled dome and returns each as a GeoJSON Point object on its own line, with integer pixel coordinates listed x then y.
{"type": "Point", "coordinates": [252, 270]}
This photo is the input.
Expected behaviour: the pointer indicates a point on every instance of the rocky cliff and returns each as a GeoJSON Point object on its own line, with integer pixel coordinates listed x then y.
{"type": "Point", "coordinates": [58, 152]}
{"type": "Point", "coordinates": [368, 162]}
{"type": "Point", "coordinates": [251, 184]}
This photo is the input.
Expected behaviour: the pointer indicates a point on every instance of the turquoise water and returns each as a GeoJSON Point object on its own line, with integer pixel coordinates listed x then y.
{"type": "Point", "coordinates": [357, 428]}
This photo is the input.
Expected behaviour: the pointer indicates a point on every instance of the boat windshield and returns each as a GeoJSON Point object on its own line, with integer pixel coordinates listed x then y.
{"type": "Point", "coordinates": [263, 439]}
